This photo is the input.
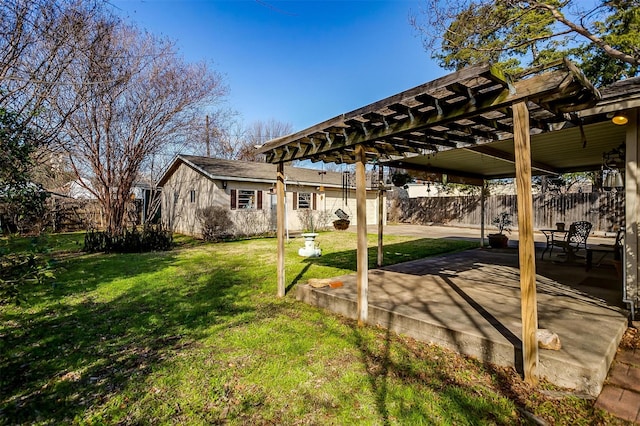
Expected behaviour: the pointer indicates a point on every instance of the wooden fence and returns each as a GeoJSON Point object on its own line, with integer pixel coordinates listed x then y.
{"type": "Point", "coordinates": [604, 210]}
{"type": "Point", "coordinates": [67, 214]}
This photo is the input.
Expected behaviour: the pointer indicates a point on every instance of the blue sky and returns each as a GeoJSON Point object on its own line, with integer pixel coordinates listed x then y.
{"type": "Point", "coordinates": [299, 62]}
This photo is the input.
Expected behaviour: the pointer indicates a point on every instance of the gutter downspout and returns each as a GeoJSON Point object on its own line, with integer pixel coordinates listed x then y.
{"type": "Point", "coordinates": [626, 300]}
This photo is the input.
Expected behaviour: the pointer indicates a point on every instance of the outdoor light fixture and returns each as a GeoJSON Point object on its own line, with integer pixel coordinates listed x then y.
{"type": "Point", "coordinates": [617, 180]}
{"type": "Point", "coordinates": [620, 119]}
{"type": "Point", "coordinates": [224, 184]}
{"type": "Point", "coordinates": [612, 180]}
{"type": "Point", "coordinates": [611, 176]}
{"type": "Point", "coordinates": [272, 190]}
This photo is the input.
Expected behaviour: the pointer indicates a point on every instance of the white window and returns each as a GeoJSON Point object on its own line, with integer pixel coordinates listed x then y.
{"type": "Point", "coordinates": [245, 199]}
{"type": "Point", "coordinates": [304, 200]}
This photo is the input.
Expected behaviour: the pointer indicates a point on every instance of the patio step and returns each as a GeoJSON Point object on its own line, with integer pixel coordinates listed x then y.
{"type": "Point", "coordinates": [460, 340]}
{"type": "Point", "coordinates": [470, 302]}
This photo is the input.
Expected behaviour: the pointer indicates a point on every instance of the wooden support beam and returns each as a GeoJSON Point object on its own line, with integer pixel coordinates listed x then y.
{"type": "Point", "coordinates": [510, 158]}
{"type": "Point", "coordinates": [453, 176]}
{"type": "Point", "coordinates": [280, 212]}
{"type": "Point", "coordinates": [362, 254]}
{"type": "Point", "coordinates": [529, 307]}
{"type": "Point", "coordinates": [380, 214]}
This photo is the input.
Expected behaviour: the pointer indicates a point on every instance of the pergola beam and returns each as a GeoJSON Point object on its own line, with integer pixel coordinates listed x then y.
{"type": "Point", "coordinates": [508, 157]}
{"type": "Point", "coordinates": [502, 99]}
{"type": "Point", "coordinates": [453, 176]}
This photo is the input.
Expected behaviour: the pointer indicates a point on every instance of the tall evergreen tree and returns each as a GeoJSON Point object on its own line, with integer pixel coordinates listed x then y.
{"type": "Point", "coordinates": [517, 35]}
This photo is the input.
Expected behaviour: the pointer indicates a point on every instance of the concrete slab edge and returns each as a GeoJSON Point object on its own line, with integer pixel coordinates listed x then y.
{"type": "Point", "coordinates": [556, 369]}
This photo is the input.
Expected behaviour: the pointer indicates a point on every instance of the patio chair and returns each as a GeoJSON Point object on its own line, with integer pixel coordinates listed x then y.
{"type": "Point", "coordinates": [572, 241]}
{"type": "Point", "coordinates": [606, 249]}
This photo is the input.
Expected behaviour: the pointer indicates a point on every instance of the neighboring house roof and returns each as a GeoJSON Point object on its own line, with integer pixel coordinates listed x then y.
{"type": "Point", "coordinates": [215, 168]}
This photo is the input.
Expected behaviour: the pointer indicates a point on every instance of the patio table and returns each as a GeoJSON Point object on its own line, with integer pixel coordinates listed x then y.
{"type": "Point", "coordinates": [550, 236]}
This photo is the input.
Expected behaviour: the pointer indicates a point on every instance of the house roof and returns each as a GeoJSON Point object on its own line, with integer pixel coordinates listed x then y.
{"type": "Point", "coordinates": [462, 125]}
{"type": "Point", "coordinates": [245, 171]}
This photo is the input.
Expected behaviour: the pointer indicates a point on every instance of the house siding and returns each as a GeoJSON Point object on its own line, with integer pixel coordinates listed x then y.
{"type": "Point", "coordinates": [181, 215]}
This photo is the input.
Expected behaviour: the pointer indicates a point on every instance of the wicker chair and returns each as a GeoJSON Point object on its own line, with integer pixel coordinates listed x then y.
{"type": "Point", "coordinates": [572, 241]}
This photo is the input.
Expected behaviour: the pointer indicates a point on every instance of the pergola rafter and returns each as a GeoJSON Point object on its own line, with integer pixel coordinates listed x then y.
{"type": "Point", "coordinates": [469, 107]}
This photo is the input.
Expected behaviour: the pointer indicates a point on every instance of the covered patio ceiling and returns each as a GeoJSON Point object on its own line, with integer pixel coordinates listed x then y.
{"type": "Point", "coordinates": [461, 125]}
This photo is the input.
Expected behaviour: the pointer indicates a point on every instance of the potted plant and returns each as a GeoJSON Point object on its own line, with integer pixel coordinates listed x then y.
{"type": "Point", "coordinates": [503, 222]}
{"type": "Point", "coordinates": [341, 224]}
{"type": "Point", "coordinates": [343, 220]}
{"type": "Point", "coordinates": [400, 179]}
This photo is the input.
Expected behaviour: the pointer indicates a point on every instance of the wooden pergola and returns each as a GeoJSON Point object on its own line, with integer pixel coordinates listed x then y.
{"type": "Point", "coordinates": [466, 111]}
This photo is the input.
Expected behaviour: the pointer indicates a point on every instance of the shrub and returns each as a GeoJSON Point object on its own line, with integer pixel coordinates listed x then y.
{"type": "Point", "coordinates": [216, 223]}
{"type": "Point", "coordinates": [314, 220]}
{"type": "Point", "coordinates": [19, 269]}
{"type": "Point", "coordinates": [252, 222]}
{"type": "Point", "coordinates": [152, 238]}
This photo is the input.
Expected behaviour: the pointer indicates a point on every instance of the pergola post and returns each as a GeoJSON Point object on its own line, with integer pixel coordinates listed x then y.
{"type": "Point", "coordinates": [380, 214]}
{"type": "Point", "coordinates": [362, 255]}
{"type": "Point", "coordinates": [280, 227]}
{"type": "Point", "coordinates": [529, 308]}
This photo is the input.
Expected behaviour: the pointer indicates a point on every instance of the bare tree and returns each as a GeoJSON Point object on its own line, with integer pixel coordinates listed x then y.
{"type": "Point", "coordinates": [260, 132]}
{"type": "Point", "coordinates": [37, 46]}
{"type": "Point", "coordinates": [226, 134]}
{"type": "Point", "coordinates": [230, 139]}
{"type": "Point", "coordinates": [135, 97]}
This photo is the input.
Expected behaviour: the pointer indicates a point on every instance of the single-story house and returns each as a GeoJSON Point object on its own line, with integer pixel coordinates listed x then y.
{"type": "Point", "coordinates": [246, 188]}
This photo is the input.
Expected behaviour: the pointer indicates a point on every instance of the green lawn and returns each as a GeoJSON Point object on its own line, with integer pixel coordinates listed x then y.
{"type": "Point", "coordinates": [197, 336]}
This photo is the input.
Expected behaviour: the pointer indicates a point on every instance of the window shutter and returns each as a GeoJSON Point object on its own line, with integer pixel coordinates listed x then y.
{"type": "Point", "coordinates": [234, 199]}
{"type": "Point", "coordinates": [295, 201]}
{"type": "Point", "coordinates": [259, 205]}
{"type": "Point", "coordinates": [314, 206]}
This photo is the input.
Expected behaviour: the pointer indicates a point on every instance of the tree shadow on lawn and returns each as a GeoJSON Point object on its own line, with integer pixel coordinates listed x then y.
{"type": "Point", "coordinates": [446, 388]}
{"type": "Point", "coordinates": [394, 253]}
{"type": "Point", "coordinates": [82, 350]}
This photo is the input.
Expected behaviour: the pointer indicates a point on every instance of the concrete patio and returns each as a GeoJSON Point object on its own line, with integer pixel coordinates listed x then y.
{"type": "Point", "coordinates": [470, 302]}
